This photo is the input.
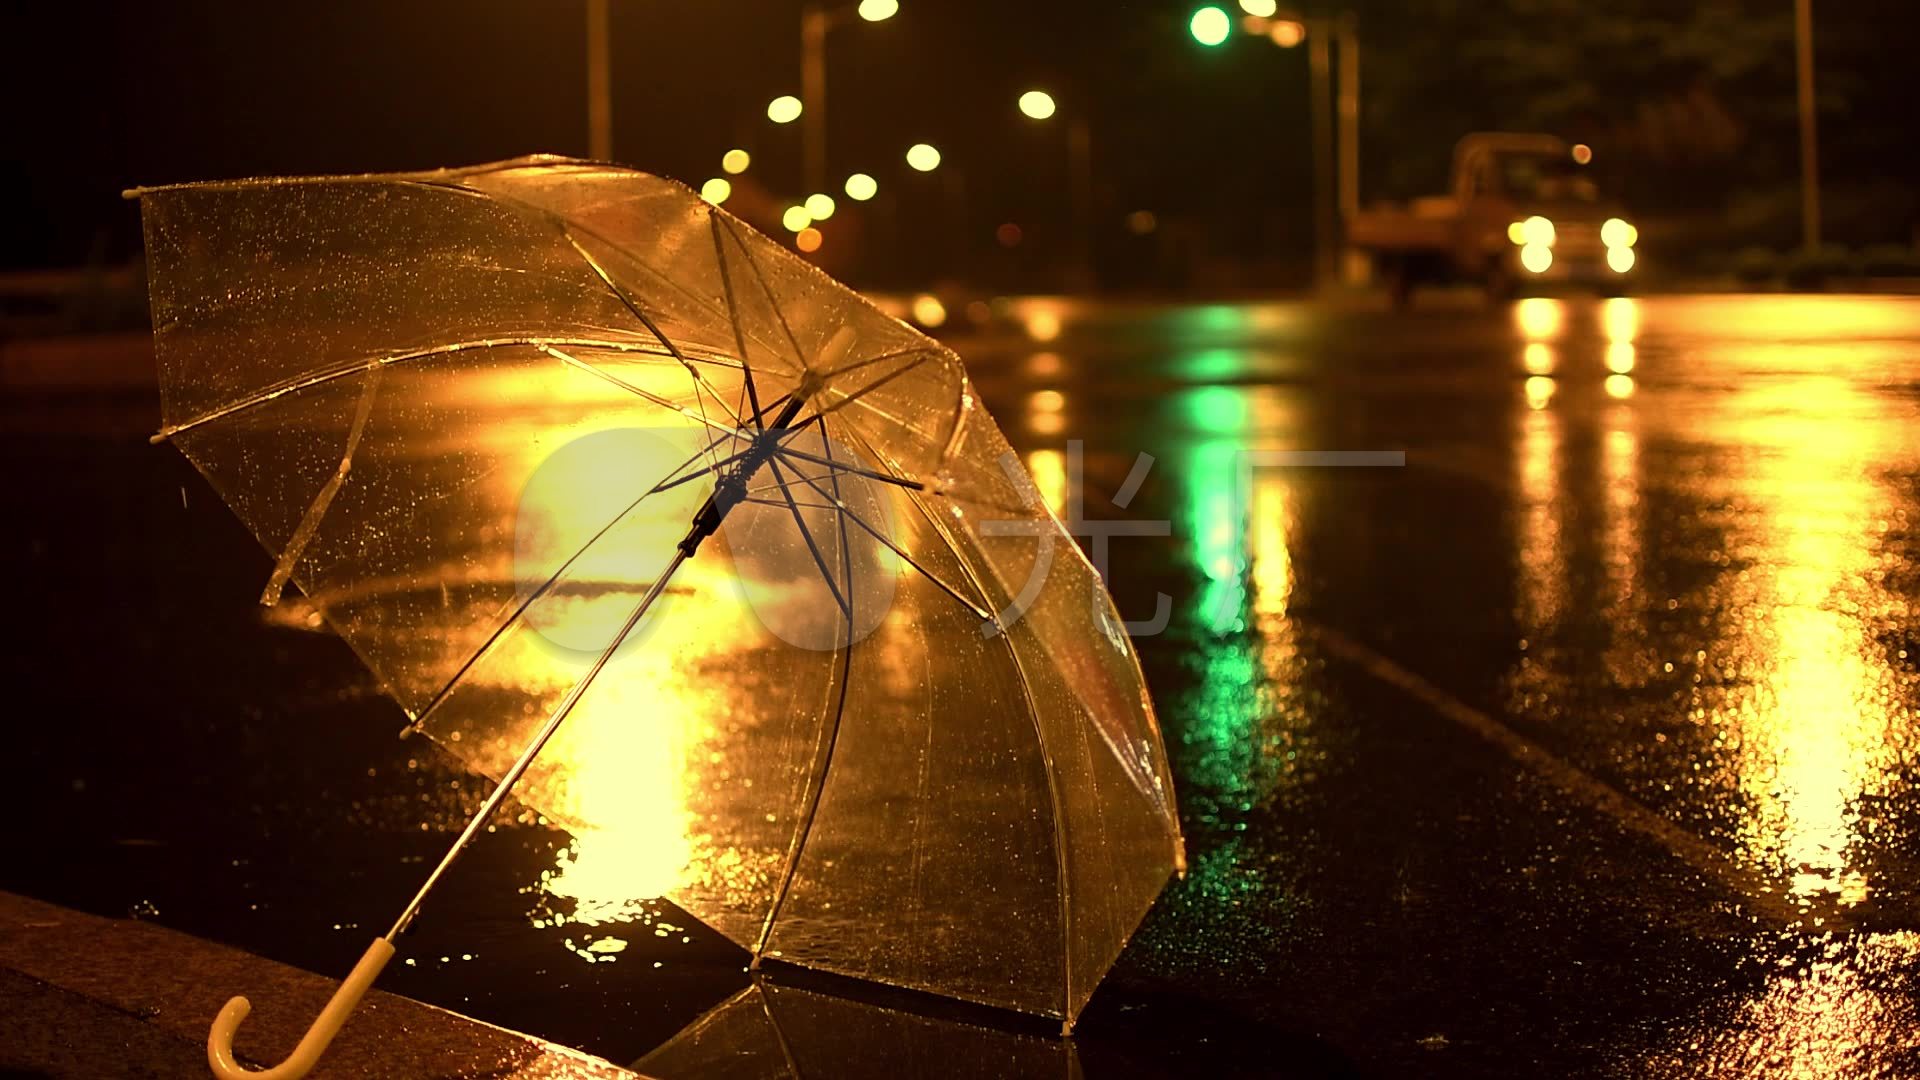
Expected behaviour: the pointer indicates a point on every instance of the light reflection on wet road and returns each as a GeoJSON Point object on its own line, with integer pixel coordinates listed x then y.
{"type": "Point", "coordinates": [1585, 743]}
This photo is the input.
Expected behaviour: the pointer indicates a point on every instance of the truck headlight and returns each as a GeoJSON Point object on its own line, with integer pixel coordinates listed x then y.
{"type": "Point", "coordinates": [1536, 230]}
{"type": "Point", "coordinates": [1618, 234]}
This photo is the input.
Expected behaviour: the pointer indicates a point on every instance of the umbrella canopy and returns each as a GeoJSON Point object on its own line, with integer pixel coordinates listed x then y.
{"type": "Point", "coordinates": [886, 724]}
{"type": "Point", "coordinates": [771, 1031]}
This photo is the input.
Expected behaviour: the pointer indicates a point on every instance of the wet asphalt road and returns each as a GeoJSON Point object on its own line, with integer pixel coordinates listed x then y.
{"type": "Point", "coordinates": [1581, 744]}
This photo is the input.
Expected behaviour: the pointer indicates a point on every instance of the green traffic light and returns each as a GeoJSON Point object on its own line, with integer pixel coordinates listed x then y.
{"type": "Point", "coordinates": [1210, 26]}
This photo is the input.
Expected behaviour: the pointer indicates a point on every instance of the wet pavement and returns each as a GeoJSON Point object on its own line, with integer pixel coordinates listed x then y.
{"type": "Point", "coordinates": [1582, 743]}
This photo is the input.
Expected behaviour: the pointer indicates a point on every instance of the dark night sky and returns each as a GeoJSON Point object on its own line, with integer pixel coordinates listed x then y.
{"type": "Point", "coordinates": [147, 92]}
{"type": "Point", "coordinates": [104, 95]}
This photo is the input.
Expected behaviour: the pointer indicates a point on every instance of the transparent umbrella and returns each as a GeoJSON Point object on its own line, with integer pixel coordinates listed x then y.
{"type": "Point", "coordinates": [688, 546]}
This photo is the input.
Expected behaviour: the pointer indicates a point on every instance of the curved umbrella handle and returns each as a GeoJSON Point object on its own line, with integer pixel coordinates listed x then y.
{"type": "Point", "coordinates": [314, 1042]}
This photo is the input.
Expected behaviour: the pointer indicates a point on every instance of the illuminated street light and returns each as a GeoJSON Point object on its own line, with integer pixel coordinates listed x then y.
{"type": "Point", "coordinates": [861, 187]}
{"type": "Point", "coordinates": [1210, 26]}
{"type": "Point", "coordinates": [784, 109]}
{"type": "Point", "coordinates": [1037, 104]}
{"type": "Point", "coordinates": [923, 158]}
{"type": "Point", "coordinates": [796, 218]}
{"type": "Point", "coordinates": [820, 206]}
{"type": "Point", "coordinates": [735, 162]}
{"type": "Point", "coordinates": [716, 190]}
{"type": "Point", "coordinates": [817, 20]}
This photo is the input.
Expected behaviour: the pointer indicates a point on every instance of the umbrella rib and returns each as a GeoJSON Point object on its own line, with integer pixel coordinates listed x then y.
{"type": "Point", "coordinates": [856, 365]}
{"type": "Point", "coordinates": [309, 526]}
{"type": "Point", "coordinates": [354, 367]}
{"type": "Point", "coordinates": [733, 316]}
{"type": "Point", "coordinates": [831, 741]}
{"type": "Point", "coordinates": [761, 500]}
{"type": "Point", "coordinates": [440, 696]}
{"type": "Point", "coordinates": [566, 230]}
{"type": "Point", "coordinates": [675, 481]}
{"type": "Point", "coordinates": [813, 548]}
{"type": "Point", "coordinates": [864, 391]}
{"type": "Point", "coordinates": [779, 316]}
{"type": "Point", "coordinates": [837, 467]}
{"type": "Point", "coordinates": [573, 361]}
{"type": "Point", "coordinates": [983, 614]}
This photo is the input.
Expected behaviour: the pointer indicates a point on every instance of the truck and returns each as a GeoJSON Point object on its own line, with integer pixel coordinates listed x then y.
{"type": "Point", "coordinates": [1524, 213]}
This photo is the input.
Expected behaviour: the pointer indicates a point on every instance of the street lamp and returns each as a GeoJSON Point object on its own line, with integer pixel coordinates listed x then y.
{"type": "Point", "coordinates": [1210, 26]}
{"type": "Point", "coordinates": [784, 109]}
{"type": "Point", "coordinates": [815, 21]}
{"type": "Point", "coordinates": [1039, 105]}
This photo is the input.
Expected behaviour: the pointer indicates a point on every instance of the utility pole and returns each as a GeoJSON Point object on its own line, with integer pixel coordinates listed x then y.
{"type": "Point", "coordinates": [814, 22]}
{"type": "Point", "coordinates": [1320, 102]}
{"type": "Point", "coordinates": [599, 84]}
{"type": "Point", "coordinates": [1809, 136]}
{"type": "Point", "coordinates": [1348, 94]}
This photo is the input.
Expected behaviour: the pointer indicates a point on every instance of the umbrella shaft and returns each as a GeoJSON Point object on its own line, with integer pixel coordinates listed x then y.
{"type": "Point", "coordinates": [527, 756]}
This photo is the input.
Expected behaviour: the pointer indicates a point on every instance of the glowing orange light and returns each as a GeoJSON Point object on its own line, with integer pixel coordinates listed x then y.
{"type": "Point", "coordinates": [1286, 33]}
{"type": "Point", "coordinates": [1582, 153]}
{"type": "Point", "coordinates": [1008, 234]}
{"type": "Point", "coordinates": [808, 239]}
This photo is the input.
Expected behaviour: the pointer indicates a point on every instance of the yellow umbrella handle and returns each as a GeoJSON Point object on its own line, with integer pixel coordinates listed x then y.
{"type": "Point", "coordinates": [314, 1043]}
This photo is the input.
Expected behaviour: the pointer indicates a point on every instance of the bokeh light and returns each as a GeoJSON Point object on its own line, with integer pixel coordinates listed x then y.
{"type": "Point", "coordinates": [1037, 104]}
{"type": "Point", "coordinates": [796, 218]}
{"type": "Point", "coordinates": [1620, 259]}
{"type": "Point", "coordinates": [716, 190]}
{"type": "Point", "coordinates": [1142, 222]}
{"type": "Point", "coordinates": [928, 311]}
{"type": "Point", "coordinates": [784, 109]}
{"type": "Point", "coordinates": [861, 187]}
{"type": "Point", "coordinates": [736, 161]}
{"type": "Point", "coordinates": [1536, 257]}
{"type": "Point", "coordinates": [1538, 230]}
{"type": "Point", "coordinates": [1582, 153]}
{"type": "Point", "coordinates": [878, 10]}
{"type": "Point", "coordinates": [1617, 233]}
{"type": "Point", "coordinates": [1265, 9]}
{"type": "Point", "coordinates": [1286, 33]}
{"type": "Point", "coordinates": [820, 206]}
{"type": "Point", "coordinates": [1210, 26]}
{"type": "Point", "coordinates": [808, 239]}
{"type": "Point", "coordinates": [923, 157]}
{"type": "Point", "coordinates": [1008, 234]}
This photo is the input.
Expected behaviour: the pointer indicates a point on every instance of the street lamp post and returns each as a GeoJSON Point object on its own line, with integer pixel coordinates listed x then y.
{"type": "Point", "coordinates": [1333, 95]}
{"type": "Point", "coordinates": [1039, 105]}
{"type": "Point", "coordinates": [1809, 136]}
{"type": "Point", "coordinates": [815, 21]}
{"type": "Point", "coordinates": [599, 84]}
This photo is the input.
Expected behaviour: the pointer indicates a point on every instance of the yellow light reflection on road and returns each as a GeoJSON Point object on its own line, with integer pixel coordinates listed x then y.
{"type": "Point", "coordinates": [1538, 357]}
{"type": "Point", "coordinates": [1811, 710]}
{"type": "Point", "coordinates": [1049, 470]}
{"type": "Point", "coordinates": [1043, 324]}
{"type": "Point", "coordinates": [1539, 317]}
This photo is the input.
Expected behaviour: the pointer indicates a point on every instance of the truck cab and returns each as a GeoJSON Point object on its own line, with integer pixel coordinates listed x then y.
{"type": "Point", "coordinates": [1523, 212]}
